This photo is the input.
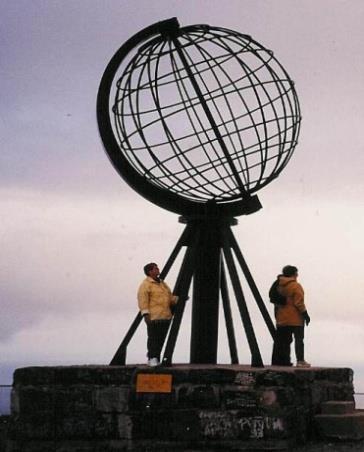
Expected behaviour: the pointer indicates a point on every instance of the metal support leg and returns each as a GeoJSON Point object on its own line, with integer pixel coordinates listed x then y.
{"type": "Point", "coordinates": [244, 313]}
{"type": "Point", "coordinates": [181, 288]}
{"type": "Point", "coordinates": [228, 317]}
{"type": "Point", "coordinates": [120, 355]}
{"type": "Point", "coordinates": [261, 305]}
{"type": "Point", "coordinates": [183, 240]}
{"type": "Point", "coordinates": [203, 262]}
{"type": "Point", "coordinates": [119, 358]}
{"type": "Point", "coordinates": [206, 291]}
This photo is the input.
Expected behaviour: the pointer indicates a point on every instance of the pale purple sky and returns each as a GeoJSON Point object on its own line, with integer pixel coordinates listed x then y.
{"type": "Point", "coordinates": [74, 236]}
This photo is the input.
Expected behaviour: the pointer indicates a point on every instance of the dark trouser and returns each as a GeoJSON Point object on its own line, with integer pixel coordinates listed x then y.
{"type": "Point", "coordinates": [157, 332]}
{"type": "Point", "coordinates": [282, 345]}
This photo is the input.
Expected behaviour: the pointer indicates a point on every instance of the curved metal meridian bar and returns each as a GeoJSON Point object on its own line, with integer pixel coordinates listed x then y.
{"type": "Point", "coordinates": [158, 195]}
{"type": "Point", "coordinates": [210, 117]}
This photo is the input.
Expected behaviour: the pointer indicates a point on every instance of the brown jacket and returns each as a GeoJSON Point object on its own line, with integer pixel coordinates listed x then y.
{"type": "Point", "coordinates": [290, 314]}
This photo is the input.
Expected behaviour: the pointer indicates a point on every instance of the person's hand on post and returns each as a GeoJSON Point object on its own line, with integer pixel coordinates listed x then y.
{"type": "Point", "coordinates": [306, 317]}
{"type": "Point", "coordinates": [146, 318]}
{"type": "Point", "coordinates": [182, 297]}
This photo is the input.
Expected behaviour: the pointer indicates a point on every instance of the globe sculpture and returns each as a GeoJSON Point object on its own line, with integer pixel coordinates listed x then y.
{"type": "Point", "coordinates": [198, 119]}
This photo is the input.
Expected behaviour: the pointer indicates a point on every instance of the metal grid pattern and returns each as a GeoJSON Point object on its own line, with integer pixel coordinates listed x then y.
{"type": "Point", "coordinates": [208, 114]}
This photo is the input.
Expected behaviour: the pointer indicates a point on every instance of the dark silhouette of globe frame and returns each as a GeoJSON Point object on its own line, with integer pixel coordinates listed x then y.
{"type": "Point", "coordinates": [197, 120]}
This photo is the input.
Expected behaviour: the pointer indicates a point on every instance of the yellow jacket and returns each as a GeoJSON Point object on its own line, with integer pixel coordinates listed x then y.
{"type": "Point", "coordinates": [290, 314]}
{"type": "Point", "coordinates": [155, 298]}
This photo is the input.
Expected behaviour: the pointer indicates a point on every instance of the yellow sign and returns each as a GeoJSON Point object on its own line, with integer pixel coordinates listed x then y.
{"type": "Point", "coordinates": [154, 383]}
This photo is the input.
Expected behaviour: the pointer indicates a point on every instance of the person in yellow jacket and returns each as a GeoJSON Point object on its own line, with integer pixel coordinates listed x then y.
{"type": "Point", "coordinates": [291, 318]}
{"type": "Point", "coordinates": [155, 300]}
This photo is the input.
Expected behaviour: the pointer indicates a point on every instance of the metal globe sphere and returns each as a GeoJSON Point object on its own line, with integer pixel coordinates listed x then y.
{"type": "Point", "coordinates": [198, 115]}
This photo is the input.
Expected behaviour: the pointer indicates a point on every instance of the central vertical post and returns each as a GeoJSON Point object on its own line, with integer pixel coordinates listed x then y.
{"type": "Point", "coordinates": [206, 289]}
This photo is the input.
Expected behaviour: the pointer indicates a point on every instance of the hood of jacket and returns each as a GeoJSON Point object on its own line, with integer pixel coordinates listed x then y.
{"type": "Point", "coordinates": [283, 281]}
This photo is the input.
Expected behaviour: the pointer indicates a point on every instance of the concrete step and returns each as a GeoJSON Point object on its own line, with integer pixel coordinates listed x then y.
{"type": "Point", "coordinates": [337, 407]}
{"type": "Point", "coordinates": [341, 426]}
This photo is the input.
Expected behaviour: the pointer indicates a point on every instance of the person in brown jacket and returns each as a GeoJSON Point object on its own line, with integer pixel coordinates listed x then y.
{"type": "Point", "coordinates": [291, 318]}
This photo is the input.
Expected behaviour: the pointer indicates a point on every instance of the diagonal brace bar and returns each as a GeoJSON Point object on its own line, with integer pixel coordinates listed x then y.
{"type": "Point", "coordinates": [120, 355]}
{"type": "Point", "coordinates": [119, 358]}
{"type": "Point", "coordinates": [244, 313]}
{"type": "Point", "coordinates": [261, 305]}
{"type": "Point", "coordinates": [228, 317]}
{"type": "Point", "coordinates": [181, 288]}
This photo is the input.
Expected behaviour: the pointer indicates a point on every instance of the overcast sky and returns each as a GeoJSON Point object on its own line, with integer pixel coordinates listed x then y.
{"type": "Point", "coordinates": [74, 236]}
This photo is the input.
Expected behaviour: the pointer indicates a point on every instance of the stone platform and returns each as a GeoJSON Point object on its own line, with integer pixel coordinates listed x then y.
{"type": "Point", "coordinates": [182, 407]}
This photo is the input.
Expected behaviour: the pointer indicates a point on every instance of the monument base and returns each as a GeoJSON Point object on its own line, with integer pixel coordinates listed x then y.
{"type": "Point", "coordinates": [182, 407]}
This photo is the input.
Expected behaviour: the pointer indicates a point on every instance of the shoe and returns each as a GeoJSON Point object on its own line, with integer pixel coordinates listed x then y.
{"type": "Point", "coordinates": [153, 362]}
{"type": "Point", "coordinates": [303, 364]}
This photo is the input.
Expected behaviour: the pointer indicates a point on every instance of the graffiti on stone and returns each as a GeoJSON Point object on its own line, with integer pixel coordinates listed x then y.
{"type": "Point", "coordinates": [217, 424]}
{"type": "Point", "coordinates": [257, 425]}
{"type": "Point", "coordinates": [229, 425]}
{"type": "Point", "coordinates": [236, 398]}
{"type": "Point", "coordinates": [245, 379]}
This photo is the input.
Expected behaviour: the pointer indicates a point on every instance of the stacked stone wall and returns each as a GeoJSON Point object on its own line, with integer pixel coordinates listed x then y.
{"type": "Point", "coordinates": [98, 408]}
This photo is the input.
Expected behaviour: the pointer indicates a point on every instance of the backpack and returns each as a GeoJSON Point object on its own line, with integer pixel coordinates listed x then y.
{"type": "Point", "coordinates": [274, 296]}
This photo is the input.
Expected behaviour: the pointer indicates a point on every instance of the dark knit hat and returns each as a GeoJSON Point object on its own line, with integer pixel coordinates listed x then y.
{"type": "Point", "coordinates": [289, 270]}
